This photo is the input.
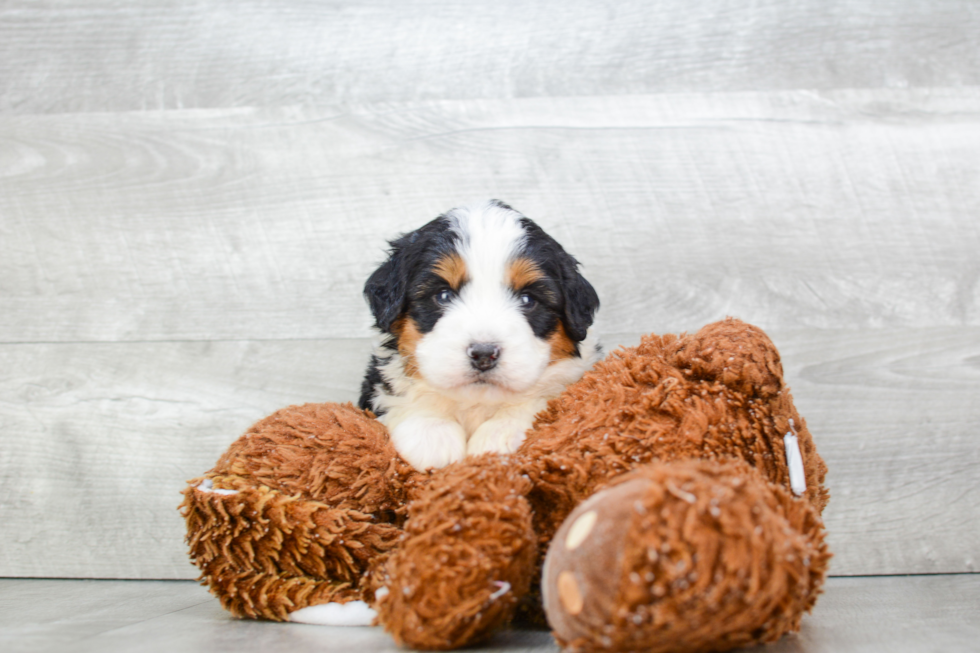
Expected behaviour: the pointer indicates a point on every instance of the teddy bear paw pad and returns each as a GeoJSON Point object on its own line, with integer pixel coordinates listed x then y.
{"type": "Point", "coordinates": [352, 613]}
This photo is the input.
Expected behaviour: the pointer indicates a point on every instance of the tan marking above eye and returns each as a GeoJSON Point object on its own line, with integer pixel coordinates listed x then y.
{"type": "Point", "coordinates": [522, 272]}
{"type": "Point", "coordinates": [452, 268]}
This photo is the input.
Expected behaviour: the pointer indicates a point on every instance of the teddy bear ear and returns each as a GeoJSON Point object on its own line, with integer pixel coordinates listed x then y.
{"type": "Point", "coordinates": [386, 290]}
{"type": "Point", "coordinates": [581, 300]}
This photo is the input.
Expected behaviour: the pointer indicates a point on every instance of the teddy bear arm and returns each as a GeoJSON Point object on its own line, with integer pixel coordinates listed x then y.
{"type": "Point", "coordinates": [467, 559]}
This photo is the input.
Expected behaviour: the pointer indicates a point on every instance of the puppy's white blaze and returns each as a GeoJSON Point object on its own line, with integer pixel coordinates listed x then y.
{"type": "Point", "coordinates": [490, 237]}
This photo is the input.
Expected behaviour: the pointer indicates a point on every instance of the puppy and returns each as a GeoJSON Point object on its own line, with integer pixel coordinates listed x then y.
{"type": "Point", "coordinates": [484, 318]}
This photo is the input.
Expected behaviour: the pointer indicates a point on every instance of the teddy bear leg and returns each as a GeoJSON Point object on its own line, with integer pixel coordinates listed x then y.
{"type": "Point", "coordinates": [467, 558]}
{"type": "Point", "coordinates": [684, 556]}
{"type": "Point", "coordinates": [298, 511]}
{"type": "Point", "coordinates": [268, 555]}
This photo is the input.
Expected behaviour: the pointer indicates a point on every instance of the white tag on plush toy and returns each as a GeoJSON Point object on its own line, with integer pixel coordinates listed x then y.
{"type": "Point", "coordinates": [794, 460]}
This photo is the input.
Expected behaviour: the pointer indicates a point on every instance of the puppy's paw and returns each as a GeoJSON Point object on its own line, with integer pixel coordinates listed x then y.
{"type": "Point", "coordinates": [429, 441]}
{"type": "Point", "coordinates": [498, 435]}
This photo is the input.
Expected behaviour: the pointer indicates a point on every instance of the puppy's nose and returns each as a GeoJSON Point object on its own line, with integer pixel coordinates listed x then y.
{"type": "Point", "coordinates": [483, 355]}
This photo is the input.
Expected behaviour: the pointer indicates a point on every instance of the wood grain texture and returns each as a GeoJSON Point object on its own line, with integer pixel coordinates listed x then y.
{"type": "Point", "coordinates": [852, 209]}
{"type": "Point", "coordinates": [192, 195]}
{"type": "Point", "coordinates": [897, 614]}
{"type": "Point", "coordinates": [895, 414]}
{"type": "Point", "coordinates": [60, 57]}
{"type": "Point", "coordinates": [154, 616]}
{"type": "Point", "coordinates": [98, 439]}
{"type": "Point", "coordinates": [900, 614]}
{"type": "Point", "coordinates": [58, 615]}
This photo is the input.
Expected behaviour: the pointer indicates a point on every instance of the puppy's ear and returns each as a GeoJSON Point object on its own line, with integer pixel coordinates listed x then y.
{"type": "Point", "coordinates": [581, 300]}
{"type": "Point", "coordinates": [386, 291]}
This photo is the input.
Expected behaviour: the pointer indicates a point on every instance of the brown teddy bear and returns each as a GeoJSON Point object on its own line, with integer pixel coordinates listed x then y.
{"type": "Point", "coordinates": [689, 488]}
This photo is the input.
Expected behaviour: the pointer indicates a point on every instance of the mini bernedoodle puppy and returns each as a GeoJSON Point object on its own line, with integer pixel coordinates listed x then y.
{"type": "Point", "coordinates": [484, 317]}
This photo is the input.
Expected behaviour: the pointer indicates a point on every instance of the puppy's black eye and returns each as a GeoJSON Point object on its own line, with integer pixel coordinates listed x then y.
{"type": "Point", "coordinates": [527, 301]}
{"type": "Point", "coordinates": [445, 297]}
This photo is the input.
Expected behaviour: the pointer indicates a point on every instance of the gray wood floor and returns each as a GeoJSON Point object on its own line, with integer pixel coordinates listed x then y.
{"type": "Point", "coordinates": [858, 614]}
{"type": "Point", "coordinates": [192, 194]}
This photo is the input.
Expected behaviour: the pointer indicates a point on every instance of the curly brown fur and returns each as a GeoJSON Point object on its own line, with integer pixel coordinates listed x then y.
{"type": "Point", "coordinates": [669, 398]}
{"type": "Point", "coordinates": [715, 395]}
{"type": "Point", "coordinates": [334, 453]}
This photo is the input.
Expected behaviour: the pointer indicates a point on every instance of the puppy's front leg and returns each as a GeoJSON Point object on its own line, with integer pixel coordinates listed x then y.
{"type": "Point", "coordinates": [427, 441]}
{"type": "Point", "coordinates": [505, 431]}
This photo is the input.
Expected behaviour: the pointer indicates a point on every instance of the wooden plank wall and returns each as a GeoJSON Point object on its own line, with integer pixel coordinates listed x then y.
{"type": "Point", "coordinates": [191, 196]}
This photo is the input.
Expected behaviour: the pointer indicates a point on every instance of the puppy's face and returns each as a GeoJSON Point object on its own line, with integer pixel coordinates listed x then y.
{"type": "Point", "coordinates": [481, 297]}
